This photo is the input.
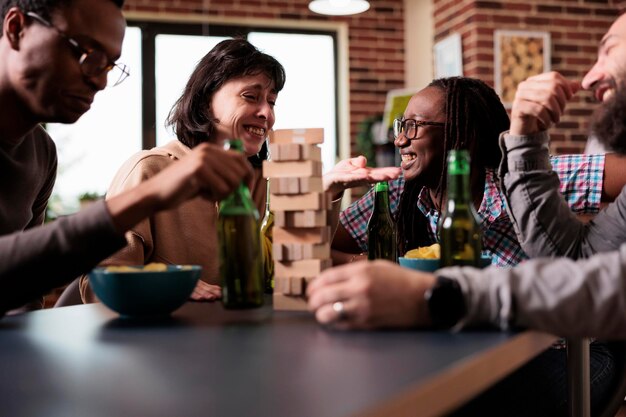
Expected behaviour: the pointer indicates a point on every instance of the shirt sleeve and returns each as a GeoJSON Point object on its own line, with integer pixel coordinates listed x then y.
{"type": "Point", "coordinates": [40, 259]}
{"type": "Point", "coordinates": [543, 221]}
{"type": "Point", "coordinates": [570, 298]}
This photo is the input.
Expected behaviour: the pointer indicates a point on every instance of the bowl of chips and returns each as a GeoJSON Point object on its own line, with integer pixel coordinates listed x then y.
{"type": "Point", "coordinates": [426, 258]}
{"type": "Point", "coordinates": [143, 291]}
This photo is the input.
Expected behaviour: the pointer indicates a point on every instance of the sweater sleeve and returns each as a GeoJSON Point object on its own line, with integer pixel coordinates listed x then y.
{"type": "Point", "coordinates": [35, 261]}
{"type": "Point", "coordinates": [543, 221]}
{"type": "Point", "coordinates": [570, 298]}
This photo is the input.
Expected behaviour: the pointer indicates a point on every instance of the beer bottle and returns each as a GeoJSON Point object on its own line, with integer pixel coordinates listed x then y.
{"type": "Point", "coordinates": [381, 231]}
{"type": "Point", "coordinates": [460, 227]}
{"type": "Point", "coordinates": [266, 233]}
{"type": "Point", "coordinates": [241, 259]}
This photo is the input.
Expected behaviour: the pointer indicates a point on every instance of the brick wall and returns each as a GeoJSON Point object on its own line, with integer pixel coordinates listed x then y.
{"type": "Point", "coordinates": [576, 27]}
{"type": "Point", "coordinates": [376, 41]}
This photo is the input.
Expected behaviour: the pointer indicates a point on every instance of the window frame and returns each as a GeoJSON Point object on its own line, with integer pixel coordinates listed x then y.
{"type": "Point", "coordinates": [151, 29]}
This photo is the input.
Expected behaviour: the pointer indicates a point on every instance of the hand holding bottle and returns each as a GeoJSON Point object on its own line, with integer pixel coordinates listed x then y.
{"type": "Point", "coordinates": [208, 171]}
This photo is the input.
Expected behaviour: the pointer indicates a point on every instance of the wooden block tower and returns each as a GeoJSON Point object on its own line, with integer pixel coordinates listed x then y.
{"type": "Point", "coordinates": [301, 231]}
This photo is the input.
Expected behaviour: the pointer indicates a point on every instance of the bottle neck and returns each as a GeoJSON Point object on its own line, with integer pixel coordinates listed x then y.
{"type": "Point", "coordinates": [239, 202]}
{"type": "Point", "coordinates": [459, 188]}
{"type": "Point", "coordinates": [381, 198]}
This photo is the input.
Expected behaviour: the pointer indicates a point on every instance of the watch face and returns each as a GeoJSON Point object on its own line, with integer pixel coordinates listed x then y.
{"type": "Point", "coordinates": [446, 303]}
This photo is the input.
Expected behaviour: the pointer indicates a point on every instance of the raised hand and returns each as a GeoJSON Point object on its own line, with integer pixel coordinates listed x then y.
{"type": "Point", "coordinates": [540, 102]}
{"type": "Point", "coordinates": [353, 172]}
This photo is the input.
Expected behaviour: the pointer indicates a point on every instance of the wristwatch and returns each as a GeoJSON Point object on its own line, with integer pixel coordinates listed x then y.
{"type": "Point", "coordinates": [446, 304]}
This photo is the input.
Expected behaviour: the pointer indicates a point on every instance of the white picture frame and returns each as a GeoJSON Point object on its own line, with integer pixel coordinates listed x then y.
{"type": "Point", "coordinates": [448, 54]}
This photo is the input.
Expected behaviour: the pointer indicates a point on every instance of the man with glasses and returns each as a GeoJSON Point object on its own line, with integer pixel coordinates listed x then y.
{"type": "Point", "coordinates": [55, 55]}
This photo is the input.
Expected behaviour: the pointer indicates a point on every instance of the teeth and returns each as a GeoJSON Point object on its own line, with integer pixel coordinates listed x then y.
{"type": "Point", "coordinates": [408, 157]}
{"type": "Point", "coordinates": [256, 130]}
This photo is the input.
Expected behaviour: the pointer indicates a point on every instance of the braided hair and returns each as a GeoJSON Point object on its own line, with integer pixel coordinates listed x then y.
{"type": "Point", "coordinates": [475, 117]}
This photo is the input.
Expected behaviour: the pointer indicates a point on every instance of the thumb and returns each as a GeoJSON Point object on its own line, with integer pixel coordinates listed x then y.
{"type": "Point", "coordinates": [359, 161]}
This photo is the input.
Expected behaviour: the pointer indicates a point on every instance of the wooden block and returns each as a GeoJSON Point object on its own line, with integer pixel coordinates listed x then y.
{"type": "Point", "coordinates": [295, 235]}
{"type": "Point", "coordinates": [290, 285]}
{"type": "Point", "coordinates": [295, 152]}
{"type": "Point", "coordinates": [298, 202]}
{"type": "Point", "coordinates": [289, 303]}
{"type": "Point", "coordinates": [307, 218]}
{"type": "Point", "coordinates": [281, 186]}
{"type": "Point", "coordinates": [282, 285]}
{"type": "Point", "coordinates": [308, 136]}
{"type": "Point", "coordinates": [292, 169]}
{"type": "Point", "coordinates": [308, 268]}
{"type": "Point", "coordinates": [299, 251]}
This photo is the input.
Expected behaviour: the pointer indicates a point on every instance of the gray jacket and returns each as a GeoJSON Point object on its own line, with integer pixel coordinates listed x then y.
{"type": "Point", "coordinates": [562, 296]}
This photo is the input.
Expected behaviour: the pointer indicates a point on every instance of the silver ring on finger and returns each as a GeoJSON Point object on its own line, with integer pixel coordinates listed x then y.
{"type": "Point", "coordinates": [340, 309]}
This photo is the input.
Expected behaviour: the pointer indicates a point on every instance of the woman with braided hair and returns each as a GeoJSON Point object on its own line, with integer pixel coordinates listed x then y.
{"type": "Point", "coordinates": [464, 113]}
{"type": "Point", "coordinates": [461, 113]}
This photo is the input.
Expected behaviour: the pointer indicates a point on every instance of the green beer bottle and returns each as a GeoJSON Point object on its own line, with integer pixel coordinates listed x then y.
{"type": "Point", "coordinates": [459, 228]}
{"type": "Point", "coordinates": [241, 258]}
{"type": "Point", "coordinates": [266, 232]}
{"type": "Point", "coordinates": [381, 231]}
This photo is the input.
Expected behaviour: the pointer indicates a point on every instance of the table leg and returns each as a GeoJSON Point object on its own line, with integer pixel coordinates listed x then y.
{"type": "Point", "coordinates": [579, 394]}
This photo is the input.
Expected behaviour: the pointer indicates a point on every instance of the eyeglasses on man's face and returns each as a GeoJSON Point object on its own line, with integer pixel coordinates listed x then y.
{"type": "Point", "coordinates": [93, 62]}
{"type": "Point", "coordinates": [410, 127]}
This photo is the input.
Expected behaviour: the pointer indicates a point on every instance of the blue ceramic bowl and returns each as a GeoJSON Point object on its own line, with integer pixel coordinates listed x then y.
{"type": "Point", "coordinates": [144, 294]}
{"type": "Point", "coordinates": [431, 265]}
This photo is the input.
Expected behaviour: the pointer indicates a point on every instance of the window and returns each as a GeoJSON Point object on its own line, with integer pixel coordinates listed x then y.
{"type": "Point", "coordinates": [92, 149]}
{"type": "Point", "coordinates": [161, 56]}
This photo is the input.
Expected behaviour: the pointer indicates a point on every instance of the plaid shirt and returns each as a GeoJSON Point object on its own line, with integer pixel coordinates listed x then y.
{"type": "Point", "coordinates": [581, 179]}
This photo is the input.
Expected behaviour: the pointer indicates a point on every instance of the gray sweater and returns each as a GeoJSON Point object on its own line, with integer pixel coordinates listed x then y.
{"type": "Point", "coordinates": [36, 259]}
{"type": "Point", "coordinates": [562, 296]}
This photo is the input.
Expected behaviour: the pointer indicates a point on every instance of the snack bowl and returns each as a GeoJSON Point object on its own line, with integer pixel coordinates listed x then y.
{"type": "Point", "coordinates": [420, 264]}
{"type": "Point", "coordinates": [431, 265]}
{"type": "Point", "coordinates": [137, 292]}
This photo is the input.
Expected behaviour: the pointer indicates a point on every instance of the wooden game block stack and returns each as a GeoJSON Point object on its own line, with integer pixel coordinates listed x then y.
{"type": "Point", "coordinates": [301, 232]}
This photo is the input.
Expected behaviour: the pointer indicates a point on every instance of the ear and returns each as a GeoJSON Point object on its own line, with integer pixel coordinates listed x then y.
{"type": "Point", "coordinates": [13, 26]}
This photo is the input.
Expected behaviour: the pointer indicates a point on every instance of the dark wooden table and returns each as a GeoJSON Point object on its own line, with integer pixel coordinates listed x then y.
{"type": "Point", "coordinates": [206, 361]}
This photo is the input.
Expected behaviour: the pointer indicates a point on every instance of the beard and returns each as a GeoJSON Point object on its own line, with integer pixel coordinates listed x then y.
{"type": "Point", "coordinates": [608, 123]}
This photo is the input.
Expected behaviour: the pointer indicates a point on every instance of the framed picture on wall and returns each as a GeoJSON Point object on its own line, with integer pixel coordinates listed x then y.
{"type": "Point", "coordinates": [396, 102]}
{"type": "Point", "coordinates": [448, 54]}
{"type": "Point", "coordinates": [518, 55]}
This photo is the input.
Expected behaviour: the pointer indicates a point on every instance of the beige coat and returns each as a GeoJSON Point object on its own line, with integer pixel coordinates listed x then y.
{"type": "Point", "coordinates": [185, 235]}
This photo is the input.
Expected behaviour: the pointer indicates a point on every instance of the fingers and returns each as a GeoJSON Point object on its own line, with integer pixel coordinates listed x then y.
{"type": "Point", "coordinates": [540, 101]}
{"type": "Point", "coordinates": [206, 292]}
{"type": "Point", "coordinates": [220, 171]}
{"type": "Point", "coordinates": [337, 180]}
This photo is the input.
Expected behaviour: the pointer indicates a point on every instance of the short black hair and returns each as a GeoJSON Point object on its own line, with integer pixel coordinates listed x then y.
{"type": "Point", "coordinates": [42, 7]}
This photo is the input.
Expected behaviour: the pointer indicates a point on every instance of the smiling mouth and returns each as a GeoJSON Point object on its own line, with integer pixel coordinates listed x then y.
{"type": "Point", "coordinates": [257, 131]}
{"type": "Point", "coordinates": [408, 157]}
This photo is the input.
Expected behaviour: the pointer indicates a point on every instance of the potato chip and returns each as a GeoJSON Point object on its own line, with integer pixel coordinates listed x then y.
{"type": "Point", "coordinates": [151, 267]}
{"type": "Point", "coordinates": [426, 252]}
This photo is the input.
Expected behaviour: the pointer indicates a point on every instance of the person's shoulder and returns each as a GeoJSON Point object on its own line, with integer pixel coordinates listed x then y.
{"type": "Point", "coordinates": [42, 139]}
{"type": "Point", "coordinates": [158, 157]}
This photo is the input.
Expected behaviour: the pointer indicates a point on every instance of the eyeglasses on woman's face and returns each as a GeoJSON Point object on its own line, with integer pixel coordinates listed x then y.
{"type": "Point", "coordinates": [410, 127]}
{"type": "Point", "coordinates": [93, 62]}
